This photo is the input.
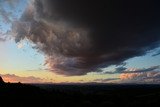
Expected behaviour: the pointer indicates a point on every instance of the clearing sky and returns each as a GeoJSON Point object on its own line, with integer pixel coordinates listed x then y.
{"type": "Point", "coordinates": [79, 41]}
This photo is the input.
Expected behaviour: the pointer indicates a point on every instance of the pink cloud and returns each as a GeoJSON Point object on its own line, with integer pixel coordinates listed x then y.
{"type": "Point", "coordinates": [15, 78]}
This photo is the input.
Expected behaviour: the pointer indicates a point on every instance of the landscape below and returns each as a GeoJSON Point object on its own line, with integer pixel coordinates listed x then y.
{"type": "Point", "coordinates": [78, 95]}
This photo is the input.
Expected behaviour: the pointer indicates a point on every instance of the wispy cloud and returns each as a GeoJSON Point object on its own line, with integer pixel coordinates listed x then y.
{"type": "Point", "coordinates": [107, 80]}
{"type": "Point", "coordinates": [5, 16]}
{"type": "Point", "coordinates": [116, 70]}
{"type": "Point", "coordinates": [157, 53]}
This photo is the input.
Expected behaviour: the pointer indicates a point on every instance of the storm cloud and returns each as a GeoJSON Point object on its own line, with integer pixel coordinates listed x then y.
{"type": "Point", "coordinates": [81, 36]}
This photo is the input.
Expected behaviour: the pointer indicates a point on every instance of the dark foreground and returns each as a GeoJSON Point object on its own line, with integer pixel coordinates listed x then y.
{"type": "Point", "coordinates": [20, 95]}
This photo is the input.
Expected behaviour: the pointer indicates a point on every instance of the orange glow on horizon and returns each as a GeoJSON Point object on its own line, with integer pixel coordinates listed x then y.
{"type": "Point", "coordinates": [6, 79]}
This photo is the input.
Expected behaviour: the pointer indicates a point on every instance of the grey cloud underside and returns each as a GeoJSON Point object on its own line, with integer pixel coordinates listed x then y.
{"type": "Point", "coordinates": [79, 36]}
{"type": "Point", "coordinates": [122, 70]}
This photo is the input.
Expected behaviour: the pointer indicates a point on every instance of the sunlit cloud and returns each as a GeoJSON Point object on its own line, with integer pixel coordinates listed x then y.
{"type": "Point", "coordinates": [14, 78]}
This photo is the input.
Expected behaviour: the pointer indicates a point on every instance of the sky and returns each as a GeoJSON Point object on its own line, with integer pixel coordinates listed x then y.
{"type": "Point", "coordinates": [51, 41]}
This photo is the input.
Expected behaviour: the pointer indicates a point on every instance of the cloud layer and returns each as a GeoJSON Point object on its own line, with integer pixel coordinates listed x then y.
{"type": "Point", "coordinates": [151, 77]}
{"type": "Point", "coordinates": [107, 80]}
{"type": "Point", "coordinates": [15, 78]}
{"type": "Point", "coordinates": [145, 75]}
{"type": "Point", "coordinates": [80, 36]}
{"type": "Point", "coordinates": [122, 69]}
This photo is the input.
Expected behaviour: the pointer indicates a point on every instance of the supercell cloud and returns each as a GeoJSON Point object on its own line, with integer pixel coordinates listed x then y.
{"type": "Point", "coordinates": [81, 36]}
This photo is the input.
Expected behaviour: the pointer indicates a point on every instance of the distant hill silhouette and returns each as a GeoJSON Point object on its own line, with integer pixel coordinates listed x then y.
{"type": "Point", "coordinates": [1, 80]}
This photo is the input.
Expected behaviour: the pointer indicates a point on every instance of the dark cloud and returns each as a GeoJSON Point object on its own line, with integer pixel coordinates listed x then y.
{"type": "Point", "coordinates": [117, 70]}
{"type": "Point", "coordinates": [80, 36]}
